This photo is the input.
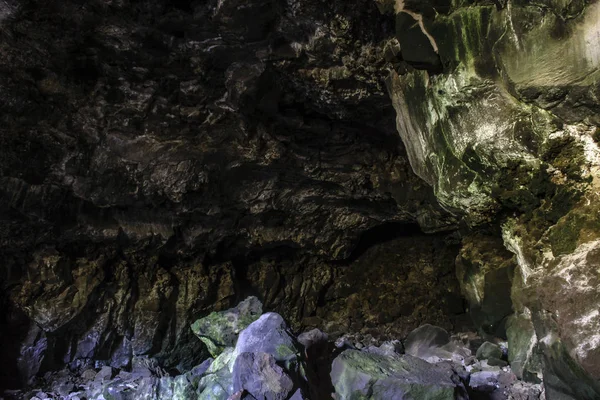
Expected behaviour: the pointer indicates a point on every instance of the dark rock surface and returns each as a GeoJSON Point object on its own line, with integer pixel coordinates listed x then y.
{"type": "Point", "coordinates": [489, 350]}
{"type": "Point", "coordinates": [162, 160]}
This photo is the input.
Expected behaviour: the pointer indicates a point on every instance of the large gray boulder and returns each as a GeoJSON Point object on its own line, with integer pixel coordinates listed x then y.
{"type": "Point", "coordinates": [219, 330]}
{"type": "Point", "coordinates": [489, 350]}
{"type": "Point", "coordinates": [259, 375]}
{"type": "Point", "coordinates": [265, 363]}
{"type": "Point", "coordinates": [269, 354]}
{"type": "Point", "coordinates": [362, 375]}
{"type": "Point", "coordinates": [269, 334]}
{"type": "Point", "coordinates": [522, 341]}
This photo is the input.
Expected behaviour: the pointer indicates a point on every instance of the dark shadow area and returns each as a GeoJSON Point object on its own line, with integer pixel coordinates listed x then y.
{"type": "Point", "coordinates": [377, 235]}
{"type": "Point", "coordinates": [13, 332]}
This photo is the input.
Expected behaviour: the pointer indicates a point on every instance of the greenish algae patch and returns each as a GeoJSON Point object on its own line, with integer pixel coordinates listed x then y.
{"type": "Point", "coordinates": [579, 226]}
{"type": "Point", "coordinates": [361, 375]}
{"type": "Point", "coordinates": [284, 351]}
{"type": "Point", "coordinates": [219, 330]}
{"type": "Point", "coordinates": [463, 36]}
{"type": "Point", "coordinates": [210, 331]}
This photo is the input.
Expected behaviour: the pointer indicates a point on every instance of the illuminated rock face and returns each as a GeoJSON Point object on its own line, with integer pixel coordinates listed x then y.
{"type": "Point", "coordinates": [507, 135]}
{"type": "Point", "coordinates": [163, 160]}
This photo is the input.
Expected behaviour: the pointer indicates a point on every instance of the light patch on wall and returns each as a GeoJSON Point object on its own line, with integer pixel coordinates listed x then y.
{"type": "Point", "coordinates": [591, 36]}
{"type": "Point", "coordinates": [515, 245]}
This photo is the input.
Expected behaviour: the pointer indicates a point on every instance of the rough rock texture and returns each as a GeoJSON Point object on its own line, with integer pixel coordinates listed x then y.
{"type": "Point", "coordinates": [219, 330]}
{"type": "Point", "coordinates": [269, 334]}
{"type": "Point", "coordinates": [259, 375]}
{"type": "Point", "coordinates": [403, 283]}
{"type": "Point", "coordinates": [485, 270]}
{"type": "Point", "coordinates": [523, 353]}
{"type": "Point", "coordinates": [506, 132]}
{"type": "Point", "coordinates": [264, 372]}
{"type": "Point", "coordinates": [489, 350]}
{"type": "Point", "coordinates": [356, 374]}
{"type": "Point", "coordinates": [267, 363]}
{"type": "Point", "coordinates": [433, 344]}
{"type": "Point", "coordinates": [217, 381]}
{"type": "Point", "coordinates": [163, 160]}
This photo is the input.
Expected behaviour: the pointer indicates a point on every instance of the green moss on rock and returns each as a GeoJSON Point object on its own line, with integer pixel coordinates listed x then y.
{"type": "Point", "coordinates": [220, 330]}
{"type": "Point", "coordinates": [462, 37]}
{"type": "Point", "coordinates": [361, 375]}
{"type": "Point", "coordinates": [580, 225]}
{"type": "Point", "coordinates": [567, 155]}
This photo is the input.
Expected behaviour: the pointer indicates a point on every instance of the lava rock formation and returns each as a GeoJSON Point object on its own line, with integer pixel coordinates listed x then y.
{"type": "Point", "coordinates": [362, 167]}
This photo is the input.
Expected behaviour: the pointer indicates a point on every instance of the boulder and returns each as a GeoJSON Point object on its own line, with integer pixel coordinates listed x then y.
{"type": "Point", "coordinates": [196, 373]}
{"type": "Point", "coordinates": [433, 344]}
{"type": "Point", "coordinates": [496, 383]}
{"type": "Point", "coordinates": [269, 334]}
{"type": "Point", "coordinates": [485, 381]}
{"type": "Point", "coordinates": [524, 391]}
{"type": "Point", "coordinates": [390, 348]}
{"type": "Point", "coordinates": [313, 338]}
{"type": "Point", "coordinates": [217, 382]}
{"type": "Point", "coordinates": [489, 350]}
{"type": "Point", "coordinates": [363, 375]}
{"type": "Point", "coordinates": [564, 378]}
{"type": "Point", "coordinates": [496, 362]}
{"type": "Point", "coordinates": [575, 277]}
{"type": "Point", "coordinates": [88, 375]}
{"type": "Point", "coordinates": [522, 341]}
{"type": "Point", "coordinates": [260, 376]}
{"type": "Point", "coordinates": [219, 330]}
{"type": "Point", "coordinates": [105, 374]}
{"type": "Point", "coordinates": [149, 388]}
{"type": "Point", "coordinates": [426, 337]}
{"type": "Point", "coordinates": [63, 388]}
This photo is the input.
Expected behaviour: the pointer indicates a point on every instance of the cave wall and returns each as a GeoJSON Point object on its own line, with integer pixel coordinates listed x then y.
{"type": "Point", "coordinates": [507, 135]}
{"type": "Point", "coordinates": [160, 160]}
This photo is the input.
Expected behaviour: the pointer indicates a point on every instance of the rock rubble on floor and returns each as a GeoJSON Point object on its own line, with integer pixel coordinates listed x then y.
{"type": "Point", "coordinates": [264, 360]}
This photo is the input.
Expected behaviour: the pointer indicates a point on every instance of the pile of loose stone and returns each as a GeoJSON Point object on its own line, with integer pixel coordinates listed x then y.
{"type": "Point", "coordinates": [256, 356]}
